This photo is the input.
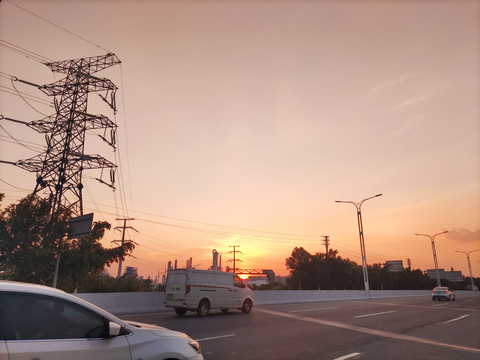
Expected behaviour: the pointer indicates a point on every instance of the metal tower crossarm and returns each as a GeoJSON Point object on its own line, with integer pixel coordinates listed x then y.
{"type": "Point", "coordinates": [88, 65]}
{"type": "Point", "coordinates": [91, 122]}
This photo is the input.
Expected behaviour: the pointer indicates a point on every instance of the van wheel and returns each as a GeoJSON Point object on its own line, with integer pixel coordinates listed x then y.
{"type": "Point", "coordinates": [203, 308]}
{"type": "Point", "coordinates": [247, 306]}
{"type": "Point", "coordinates": [180, 311]}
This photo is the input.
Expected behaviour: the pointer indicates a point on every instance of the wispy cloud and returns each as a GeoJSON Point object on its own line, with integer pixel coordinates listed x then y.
{"type": "Point", "coordinates": [409, 102]}
{"type": "Point", "coordinates": [391, 83]}
{"type": "Point", "coordinates": [463, 235]}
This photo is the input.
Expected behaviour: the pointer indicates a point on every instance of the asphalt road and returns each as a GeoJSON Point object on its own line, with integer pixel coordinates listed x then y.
{"type": "Point", "coordinates": [402, 328]}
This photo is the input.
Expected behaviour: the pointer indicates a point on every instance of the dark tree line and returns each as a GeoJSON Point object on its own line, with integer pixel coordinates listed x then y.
{"type": "Point", "coordinates": [332, 272]}
{"type": "Point", "coordinates": [30, 239]}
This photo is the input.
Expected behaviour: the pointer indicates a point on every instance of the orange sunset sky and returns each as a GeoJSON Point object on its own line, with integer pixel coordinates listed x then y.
{"type": "Point", "coordinates": [241, 123]}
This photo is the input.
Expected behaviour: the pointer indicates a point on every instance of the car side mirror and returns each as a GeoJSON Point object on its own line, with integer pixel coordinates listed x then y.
{"type": "Point", "coordinates": [113, 329]}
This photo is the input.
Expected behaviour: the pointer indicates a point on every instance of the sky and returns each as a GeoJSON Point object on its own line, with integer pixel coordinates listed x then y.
{"type": "Point", "coordinates": [242, 122]}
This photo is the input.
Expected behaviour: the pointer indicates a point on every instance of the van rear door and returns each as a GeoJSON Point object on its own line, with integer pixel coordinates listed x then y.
{"type": "Point", "coordinates": [176, 285]}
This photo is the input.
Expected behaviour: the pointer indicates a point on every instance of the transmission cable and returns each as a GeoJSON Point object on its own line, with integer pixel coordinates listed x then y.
{"type": "Point", "coordinates": [27, 96]}
{"type": "Point", "coordinates": [15, 187]}
{"type": "Point", "coordinates": [16, 140]}
{"type": "Point", "coordinates": [125, 132]}
{"type": "Point", "coordinates": [8, 139]}
{"type": "Point", "coordinates": [27, 53]}
{"type": "Point", "coordinates": [25, 100]}
{"type": "Point", "coordinates": [58, 26]}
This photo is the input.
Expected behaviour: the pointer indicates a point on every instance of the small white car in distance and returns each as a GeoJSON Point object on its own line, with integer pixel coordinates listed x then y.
{"type": "Point", "coordinates": [39, 322]}
{"type": "Point", "coordinates": [443, 292]}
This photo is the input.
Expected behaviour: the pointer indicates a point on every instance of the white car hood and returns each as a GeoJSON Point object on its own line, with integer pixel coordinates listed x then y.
{"type": "Point", "coordinates": [157, 330]}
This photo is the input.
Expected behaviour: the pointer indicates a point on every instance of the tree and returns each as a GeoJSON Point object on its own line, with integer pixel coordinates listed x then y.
{"type": "Point", "coordinates": [29, 244]}
{"type": "Point", "coordinates": [301, 268]}
{"type": "Point", "coordinates": [87, 258]}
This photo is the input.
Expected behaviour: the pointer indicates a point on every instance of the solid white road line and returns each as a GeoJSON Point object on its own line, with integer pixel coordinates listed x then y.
{"type": "Point", "coordinates": [349, 356]}
{"type": "Point", "coordinates": [375, 314]}
{"type": "Point", "coordinates": [216, 337]}
{"type": "Point", "coordinates": [315, 309]}
{"type": "Point", "coordinates": [456, 319]}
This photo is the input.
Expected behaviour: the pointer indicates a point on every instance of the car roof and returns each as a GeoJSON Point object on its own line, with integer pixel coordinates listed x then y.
{"type": "Point", "coordinates": [27, 288]}
{"type": "Point", "coordinates": [6, 285]}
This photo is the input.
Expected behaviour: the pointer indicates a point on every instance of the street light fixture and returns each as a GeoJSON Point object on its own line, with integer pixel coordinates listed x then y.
{"type": "Point", "coordinates": [469, 266]}
{"type": "Point", "coordinates": [432, 237]}
{"type": "Point", "coordinates": [362, 239]}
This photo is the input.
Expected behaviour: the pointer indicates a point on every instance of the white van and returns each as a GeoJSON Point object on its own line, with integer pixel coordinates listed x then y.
{"type": "Point", "coordinates": [202, 290]}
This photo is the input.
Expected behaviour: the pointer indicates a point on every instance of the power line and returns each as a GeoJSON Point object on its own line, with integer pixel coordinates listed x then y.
{"type": "Point", "coordinates": [27, 96]}
{"type": "Point", "coordinates": [15, 187]}
{"type": "Point", "coordinates": [217, 225]}
{"type": "Point", "coordinates": [22, 51]}
{"type": "Point", "coordinates": [229, 227]}
{"type": "Point", "coordinates": [124, 112]}
{"type": "Point", "coordinates": [23, 98]}
{"type": "Point", "coordinates": [9, 140]}
{"type": "Point", "coordinates": [16, 140]}
{"type": "Point", "coordinates": [58, 26]}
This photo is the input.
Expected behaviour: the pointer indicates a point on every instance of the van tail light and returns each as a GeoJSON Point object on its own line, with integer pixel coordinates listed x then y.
{"type": "Point", "coordinates": [187, 289]}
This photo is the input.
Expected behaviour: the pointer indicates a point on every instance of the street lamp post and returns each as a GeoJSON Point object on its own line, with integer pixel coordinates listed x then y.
{"type": "Point", "coordinates": [362, 239]}
{"type": "Point", "coordinates": [469, 266]}
{"type": "Point", "coordinates": [434, 254]}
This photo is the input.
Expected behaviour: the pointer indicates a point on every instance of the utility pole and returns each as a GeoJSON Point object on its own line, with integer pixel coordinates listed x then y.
{"type": "Point", "coordinates": [409, 262]}
{"type": "Point", "coordinates": [469, 266]}
{"type": "Point", "coordinates": [124, 227]}
{"type": "Point", "coordinates": [234, 252]}
{"type": "Point", "coordinates": [326, 242]}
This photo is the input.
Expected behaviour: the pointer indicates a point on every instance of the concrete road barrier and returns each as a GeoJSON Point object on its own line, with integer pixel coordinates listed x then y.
{"type": "Point", "coordinates": [146, 302]}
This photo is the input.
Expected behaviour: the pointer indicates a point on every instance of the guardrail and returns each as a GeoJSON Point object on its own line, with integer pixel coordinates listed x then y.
{"type": "Point", "coordinates": [146, 302]}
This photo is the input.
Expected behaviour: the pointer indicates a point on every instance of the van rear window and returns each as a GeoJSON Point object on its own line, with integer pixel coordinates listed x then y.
{"type": "Point", "coordinates": [176, 279]}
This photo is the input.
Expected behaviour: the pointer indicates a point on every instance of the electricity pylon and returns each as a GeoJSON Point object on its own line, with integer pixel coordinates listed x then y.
{"type": "Point", "coordinates": [235, 259]}
{"type": "Point", "coordinates": [59, 169]}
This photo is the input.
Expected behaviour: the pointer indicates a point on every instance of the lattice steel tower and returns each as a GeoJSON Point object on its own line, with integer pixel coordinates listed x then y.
{"type": "Point", "coordinates": [59, 169]}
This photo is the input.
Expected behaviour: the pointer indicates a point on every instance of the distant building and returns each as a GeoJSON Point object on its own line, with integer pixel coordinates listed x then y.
{"type": "Point", "coordinates": [394, 265]}
{"type": "Point", "coordinates": [257, 280]}
{"type": "Point", "coordinates": [454, 276]}
{"type": "Point", "coordinates": [131, 271]}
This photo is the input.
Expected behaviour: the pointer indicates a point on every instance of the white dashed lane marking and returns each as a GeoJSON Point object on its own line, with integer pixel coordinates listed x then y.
{"type": "Point", "coordinates": [456, 319]}
{"type": "Point", "coordinates": [216, 337]}
{"type": "Point", "coordinates": [315, 309]}
{"type": "Point", "coordinates": [375, 314]}
{"type": "Point", "coordinates": [351, 356]}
